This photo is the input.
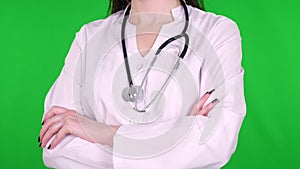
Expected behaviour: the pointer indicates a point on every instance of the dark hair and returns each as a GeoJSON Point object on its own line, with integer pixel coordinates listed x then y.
{"type": "Point", "coordinates": [118, 5]}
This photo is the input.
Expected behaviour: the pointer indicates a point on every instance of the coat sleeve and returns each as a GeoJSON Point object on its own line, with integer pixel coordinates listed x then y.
{"type": "Point", "coordinates": [72, 152]}
{"type": "Point", "coordinates": [216, 147]}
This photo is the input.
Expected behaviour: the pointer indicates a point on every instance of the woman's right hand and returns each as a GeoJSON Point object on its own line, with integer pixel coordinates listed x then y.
{"type": "Point", "coordinates": [61, 122]}
{"type": "Point", "coordinates": [198, 108]}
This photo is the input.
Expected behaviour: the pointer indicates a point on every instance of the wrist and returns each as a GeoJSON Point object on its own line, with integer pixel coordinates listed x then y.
{"type": "Point", "coordinates": [115, 128]}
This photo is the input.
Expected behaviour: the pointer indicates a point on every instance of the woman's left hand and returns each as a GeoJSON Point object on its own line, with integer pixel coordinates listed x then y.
{"type": "Point", "coordinates": [62, 122]}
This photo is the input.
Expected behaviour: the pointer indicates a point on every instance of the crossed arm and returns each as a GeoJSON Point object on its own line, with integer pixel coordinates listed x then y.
{"type": "Point", "coordinates": [60, 122]}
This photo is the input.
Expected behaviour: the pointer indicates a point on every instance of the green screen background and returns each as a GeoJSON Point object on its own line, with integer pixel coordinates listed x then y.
{"type": "Point", "coordinates": [36, 36]}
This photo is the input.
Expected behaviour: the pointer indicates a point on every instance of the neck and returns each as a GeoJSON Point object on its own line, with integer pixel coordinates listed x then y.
{"type": "Point", "coordinates": [152, 12]}
{"type": "Point", "coordinates": [157, 6]}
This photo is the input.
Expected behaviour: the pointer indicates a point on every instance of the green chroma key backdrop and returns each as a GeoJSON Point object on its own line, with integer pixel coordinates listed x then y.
{"type": "Point", "coordinates": [36, 36]}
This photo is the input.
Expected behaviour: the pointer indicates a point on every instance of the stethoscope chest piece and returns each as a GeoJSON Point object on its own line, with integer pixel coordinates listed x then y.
{"type": "Point", "coordinates": [133, 93]}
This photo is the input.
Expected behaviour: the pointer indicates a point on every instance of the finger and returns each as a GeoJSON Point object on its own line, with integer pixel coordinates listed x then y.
{"type": "Point", "coordinates": [207, 108]}
{"type": "Point", "coordinates": [59, 136]}
{"type": "Point", "coordinates": [54, 110]}
{"type": "Point", "coordinates": [204, 98]}
{"type": "Point", "coordinates": [199, 105]}
{"type": "Point", "coordinates": [52, 120]}
{"type": "Point", "coordinates": [67, 123]}
{"type": "Point", "coordinates": [53, 129]}
{"type": "Point", "coordinates": [195, 109]}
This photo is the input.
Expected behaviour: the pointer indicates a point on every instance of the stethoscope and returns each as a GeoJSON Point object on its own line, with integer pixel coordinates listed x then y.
{"type": "Point", "coordinates": [133, 93]}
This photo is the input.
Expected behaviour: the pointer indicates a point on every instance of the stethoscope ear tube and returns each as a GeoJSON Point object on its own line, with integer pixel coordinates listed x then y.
{"type": "Point", "coordinates": [124, 45]}
{"type": "Point", "coordinates": [186, 44]}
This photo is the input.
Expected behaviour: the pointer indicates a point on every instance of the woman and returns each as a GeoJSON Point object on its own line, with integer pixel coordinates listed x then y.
{"type": "Point", "coordinates": [87, 123]}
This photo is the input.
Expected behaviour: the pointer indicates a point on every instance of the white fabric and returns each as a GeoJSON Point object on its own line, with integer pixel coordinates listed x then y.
{"type": "Point", "coordinates": [218, 144]}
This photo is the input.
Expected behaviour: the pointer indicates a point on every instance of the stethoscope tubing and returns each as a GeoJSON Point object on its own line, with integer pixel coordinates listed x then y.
{"type": "Point", "coordinates": [162, 46]}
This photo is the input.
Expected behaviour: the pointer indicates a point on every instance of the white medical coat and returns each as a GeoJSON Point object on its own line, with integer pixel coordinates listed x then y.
{"type": "Point", "coordinates": [213, 152]}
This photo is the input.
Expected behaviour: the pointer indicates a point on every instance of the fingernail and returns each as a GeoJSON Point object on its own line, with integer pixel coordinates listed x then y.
{"type": "Point", "coordinates": [39, 139]}
{"type": "Point", "coordinates": [214, 101]}
{"type": "Point", "coordinates": [210, 92]}
{"type": "Point", "coordinates": [40, 144]}
{"type": "Point", "coordinates": [43, 122]}
{"type": "Point", "coordinates": [49, 146]}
